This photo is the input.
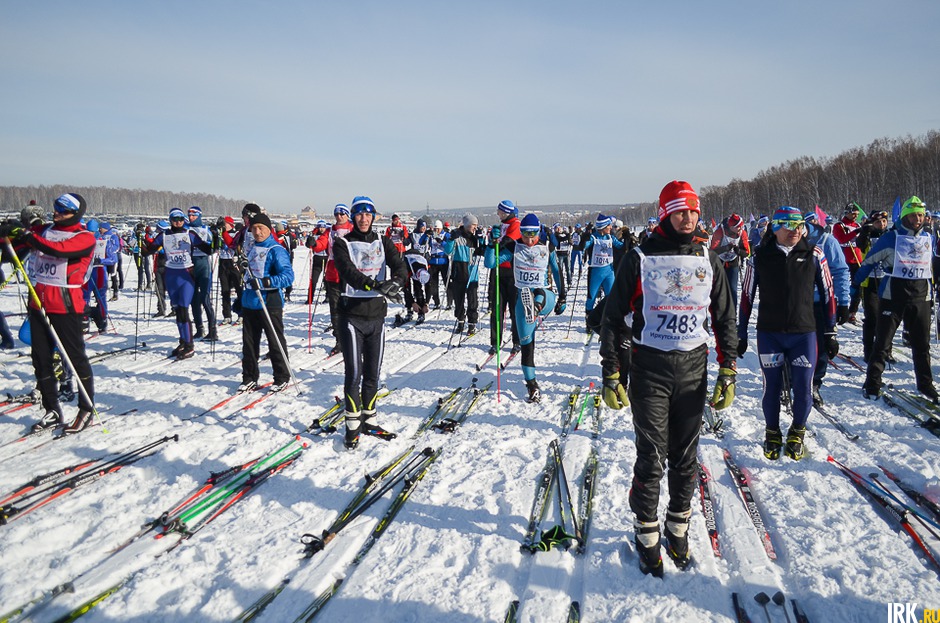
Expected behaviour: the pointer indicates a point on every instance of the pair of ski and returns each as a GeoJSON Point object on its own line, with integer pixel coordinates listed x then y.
{"type": "Point", "coordinates": [914, 406]}
{"type": "Point", "coordinates": [742, 484]}
{"type": "Point", "coordinates": [407, 469]}
{"type": "Point", "coordinates": [47, 488]}
{"type": "Point", "coordinates": [259, 394]}
{"type": "Point", "coordinates": [179, 522]}
{"type": "Point", "coordinates": [328, 422]}
{"type": "Point", "coordinates": [117, 352]}
{"type": "Point", "coordinates": [453, 409]}
{"type": "Point", "coordinates": [779, 599]}
{"type": "Point", "coordinates": [896, 509]}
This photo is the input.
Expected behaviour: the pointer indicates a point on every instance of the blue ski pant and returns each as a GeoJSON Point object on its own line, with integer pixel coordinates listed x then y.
{"type": "Point", "coordinates": [792, 354]}
{"type": "Point", "coordinates": [599, 278]}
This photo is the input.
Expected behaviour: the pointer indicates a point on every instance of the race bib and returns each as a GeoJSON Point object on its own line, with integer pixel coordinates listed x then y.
{"type": "Point", "coordinates": [912, 257]}
{"type": "Point", "coordinates": [178, 250]}
{"type": "Point", "coordinates": [676, 297]}
{"type": "Point", "coordinates": [602, 254]}
{"type": "Point", "coordinates": [530, 266]}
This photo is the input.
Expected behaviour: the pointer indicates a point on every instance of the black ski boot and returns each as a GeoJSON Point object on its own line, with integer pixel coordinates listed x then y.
{"type": "Point", "coordinates": [187, 351]}
{"type": "Point", "coordinates": [795, 448]}
{"type": "Point", "coordinates": [647, 541]}
{"type": "Point", "coordinates": [51, 419]}
{"type": "Point", "coordinates": [80, 423]}
{"type": "Point", "coordinates": [677, 538]}
{"type": "Point", "coordinates": [370, 427]}
{"type": "Point", "coordinates": [817, 397]}
{"type": "Point", "coordinates": [471, 329]}
{"type": "Point", "coordinates": [176, 351]}
{"type": "Point", "coordinates": [535, 394]}
{"type": "Point", "coordinates": [458, 329]}
{"type": "Point", "coordinates": [773, 441]}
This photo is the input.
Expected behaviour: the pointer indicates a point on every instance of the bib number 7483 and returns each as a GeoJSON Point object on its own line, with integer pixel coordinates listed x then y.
{"type": "Point", "coordinates": [677, 323]}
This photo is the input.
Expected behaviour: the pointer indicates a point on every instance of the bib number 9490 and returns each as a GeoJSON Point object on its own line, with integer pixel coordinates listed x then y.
{"type": "Point", "coordinates": [677, 323]}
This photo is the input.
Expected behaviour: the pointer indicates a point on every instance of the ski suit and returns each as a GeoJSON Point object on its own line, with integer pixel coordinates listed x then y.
{"type": "Point", "coordinates": [600, 265]}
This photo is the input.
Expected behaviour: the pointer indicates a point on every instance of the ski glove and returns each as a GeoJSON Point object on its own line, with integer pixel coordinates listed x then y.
{"type": "Point", "coordinates": [842, 314]}
{"type": "Point", "coordinates": [11, 228]}
{"type": "Point", "coordinates": [496, 233]}
{"type": "Point", "coordinates": [742, 344]}
{"type": "Point", "coordinates": [390, 290]}
{"type": "Point", "coordinates": [723, 395]}
{"type": "Point", "coordinates": [615, 395]}
{"type": "Point", "coordinates": [832, 345]}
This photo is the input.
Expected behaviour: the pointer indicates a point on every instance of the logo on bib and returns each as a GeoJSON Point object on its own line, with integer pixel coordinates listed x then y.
{"type": "Point", "coordinates": [678, 280]}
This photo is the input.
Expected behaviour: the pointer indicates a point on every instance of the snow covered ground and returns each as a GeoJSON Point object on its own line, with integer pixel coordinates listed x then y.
{"type": "Point", "coordinates": [452, 553]}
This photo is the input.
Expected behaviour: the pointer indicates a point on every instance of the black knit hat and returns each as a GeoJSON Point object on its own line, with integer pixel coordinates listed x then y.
{"type": "Point", "coordinates": [261, 219]}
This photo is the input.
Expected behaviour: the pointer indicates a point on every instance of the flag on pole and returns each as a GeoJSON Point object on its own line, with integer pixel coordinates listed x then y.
{"type": "Point", "coordinates": [896, 210]}
{"type": "Point", "coordinates": [713, 223]}
{"type": "Point", "coordinates": [862, 217]}
{"type": "Point", "coordinates": [821, 216]}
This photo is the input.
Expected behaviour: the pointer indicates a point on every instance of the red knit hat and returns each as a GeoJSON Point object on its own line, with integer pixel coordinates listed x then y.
{"type": "Point", "coordinates": [675, 197]}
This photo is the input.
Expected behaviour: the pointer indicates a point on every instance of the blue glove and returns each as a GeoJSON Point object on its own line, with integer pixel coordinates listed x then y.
{"type": "Point", "coordinates": [496, 232]}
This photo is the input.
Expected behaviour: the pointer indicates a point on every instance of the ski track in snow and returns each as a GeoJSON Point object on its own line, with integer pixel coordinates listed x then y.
{"type": "Point", "coordinates": [452, 553]}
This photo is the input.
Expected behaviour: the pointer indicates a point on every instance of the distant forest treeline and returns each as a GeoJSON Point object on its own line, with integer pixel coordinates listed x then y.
{"type": "Point", "coordinates": [872, 176]}
{"type": "Point", "coordinates": [118, 201]}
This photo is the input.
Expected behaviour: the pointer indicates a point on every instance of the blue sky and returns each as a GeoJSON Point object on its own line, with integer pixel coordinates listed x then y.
{"type": "Point", "coordinates": [451, 104]}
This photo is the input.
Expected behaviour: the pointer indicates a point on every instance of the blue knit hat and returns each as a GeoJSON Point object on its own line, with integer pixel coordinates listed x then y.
{"type": "Point", "coordinates": [195, 210]}
{"type": "Point", "coordinates": [602, 221]}
{"type": "Point", "coordinates": [530, 223]}
{"type": "Point", "coordinates": [341, 208]}
{"type": "Point", "coordinates": [362, 204]}
{"type": "Point", "coordinates": [177, 213]}
{"type": "Point", "coordinates": [507, 207]}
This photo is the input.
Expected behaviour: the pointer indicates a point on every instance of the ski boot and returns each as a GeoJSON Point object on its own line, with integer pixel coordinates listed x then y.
{"type": "Point", "coordinates": [80, 423]}
{"type": "Point", "coordinates": [458, 328]}
{"type": "Point", "coordinates": [647, 541]}
{"type": "Point", "coordinates": [51, 419]}
{"type": "Point", "coordinates": [176, 351]}
{"type": "Point", "coordinates": [334, 350]}
{"type": "Point", "coordinates": [773, 441]}
{"type": "Point", "coordinates": [371, 428]}
{"type": "Point", "coordinates": [535, 394]}
{"type": "Point", "coordinates": [353, 424]}
{"type": "Point", "coordinates": [200, 332]}
{"type": "Point", "coordinates": [471, 329]}
{"type": "Point", "coordinates": [420, 319]}
{"type": "Point", "coordinates": [677, 538]}
{"type": "Point", "coordinates": [795, 448]}
{"type": "Point", "coordinates": [187, 351]}
{"type": "Point", "coordinates": [817, 397]}
{"type": "Point", "coordinates": [66, 393]}
{"type": "Point", "coordinates": [515, 349]}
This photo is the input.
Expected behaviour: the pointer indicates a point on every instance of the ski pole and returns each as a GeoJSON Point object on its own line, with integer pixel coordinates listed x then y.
{"type": "Point", "coordinates": [498, 315]}
{"type": "Point", "coordinates": [55, 336]}
{"type": "Point", "coordinates": [313, 313]}
{"type": "Point", "coordinates": [574, 302]}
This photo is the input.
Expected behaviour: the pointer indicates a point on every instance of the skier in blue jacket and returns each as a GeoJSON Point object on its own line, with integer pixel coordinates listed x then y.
{"type": "Point", "coordinates": [601, 245]}
{"type": "Point", "coordinates": [268, 272]}
{"type": "Point", "coordinates": [905, 255]}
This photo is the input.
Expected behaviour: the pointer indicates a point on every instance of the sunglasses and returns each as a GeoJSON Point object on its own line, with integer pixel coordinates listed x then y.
{"type": "Point", "coordinates": [790, 225]}
{"type": "Point", "coordinates": [178, 218]}
{"type": "Point", "coordinates": [529, 234]}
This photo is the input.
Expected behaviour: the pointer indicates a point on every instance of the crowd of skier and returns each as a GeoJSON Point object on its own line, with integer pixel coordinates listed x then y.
{"type": "Point", "coordinates": [657, 300]}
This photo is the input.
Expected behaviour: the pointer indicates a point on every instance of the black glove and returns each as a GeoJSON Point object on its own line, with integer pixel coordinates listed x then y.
{"type": "Point", "coordinates": [742, 345]}
{"type": "Point", "coordinates": [842, 314]}
{"type": "Point", "coordinates": [254, 284]}
{"type": "Point", "coordinates": [832, 345]}
{"type": "Point", "coordinates": [11, 228]}
{"type": "Point", "coordinates": [390, 290]}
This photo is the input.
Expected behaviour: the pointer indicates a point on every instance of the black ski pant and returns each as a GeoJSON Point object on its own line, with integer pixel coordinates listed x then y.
{"type": "Point", "coordinates": [857, 295]}
{"type": "Point", "coordinates": [414, 293]}
{"type": "Point", "coordinates": [507, 298]}
{"type": "Point", "coordinates": [202, 277]}
{"type": "Point", "coordinates": [466, 300]}
{"type": "Point", "coordinates": [564, 270]}
{"type": "Point", "coordinates": [667, 396]}
{"type": "Point", "coordinates": [871, 305]}
{"type": "Point", "coordinates": [160, 289]}
{"type": "Point", "coordinates": [822, 356]}
{"type": "Point", "coordinates": [318, 265]}
{"type": "Point", "coordinates": [253, 325]}
{"type": "Point", "coordinates": [229, 279]}
{"type": "Point", "coordinates": [332, 296]}
{"type": "Point", "coordinates": [916, 317]}
{"type": "Point", "coordinates": [438, 274]}
{"type": "Point", "coordinates": [144, 271]}
{"type": "Point", "coordinates": [363, 343]}
{"type": "Point", "coordinates": [69, 329]}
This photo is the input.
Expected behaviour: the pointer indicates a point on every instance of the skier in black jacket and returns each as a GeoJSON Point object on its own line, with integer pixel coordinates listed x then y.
{"type": "Point", "coordinates": [785, 269]}
{"type": "Point", "coordinates": [667, 286]}
{"type": "Point", "coordinates": [361, 260]}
